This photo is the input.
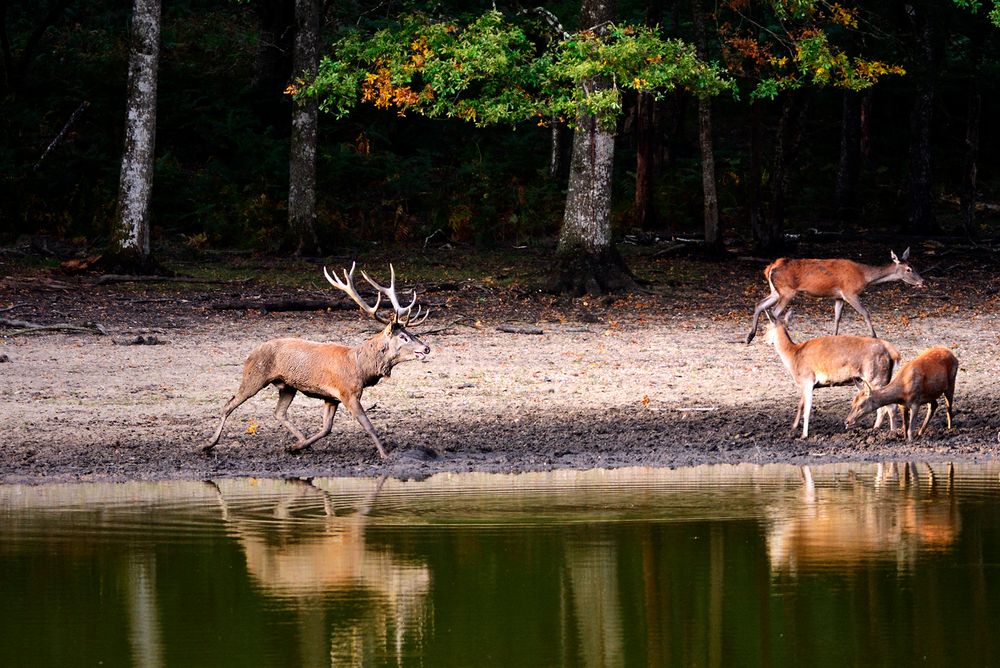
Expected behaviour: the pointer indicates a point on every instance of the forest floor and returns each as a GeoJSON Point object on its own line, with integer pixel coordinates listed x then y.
{"type": "Point", "coordinates": [662, 379]}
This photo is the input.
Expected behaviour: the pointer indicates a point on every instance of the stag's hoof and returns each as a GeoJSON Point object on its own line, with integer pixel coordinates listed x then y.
{"type": "Point", "coordinates": [296, 449]}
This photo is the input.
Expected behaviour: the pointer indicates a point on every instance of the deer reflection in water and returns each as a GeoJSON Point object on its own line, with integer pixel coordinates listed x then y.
{"type": "Point", "coordinates": [310, 560]}
{"type": "Point", "coordinates": [903, 511]}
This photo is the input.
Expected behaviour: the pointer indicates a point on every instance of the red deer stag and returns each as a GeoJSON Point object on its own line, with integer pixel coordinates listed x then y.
{"type": "Point", "coordinates": [831, 360]}
{"type": "Point", "coordinates": [329, 371]}
{"type": "Point", "coordinates": [921, 381]}
{"type": "Point", "coordinates": [844, 280]}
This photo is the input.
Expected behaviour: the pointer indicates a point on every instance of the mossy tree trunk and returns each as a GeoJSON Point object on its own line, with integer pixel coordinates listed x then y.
{"type": "Point", "coordinates": [586, 259]}
{"type": "Point", "coordinates": [129, 248]}
{"type": "Point", "coordinates": [305, 121]}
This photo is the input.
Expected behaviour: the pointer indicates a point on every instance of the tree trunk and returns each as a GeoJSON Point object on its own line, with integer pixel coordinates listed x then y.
{"type": "Point", "coordinates": [302, 160]}
{"type": "Point", "coordinates": [968, 195]}
{"type": "Point", "coordinates": [973, 114]}
{"type": "Point", "coordinates": [129, 247]}
{"type": "Point", "coordinates": [849, 167]}
{"type": "Point", "coordinates": [586, 258]}
{"type": "Point", "coordinates": [920, 217]}
{"type": "Point", "coordinates": [710, 197]}
{"type": "Point", "coordinates": [644, 214]}
{"type": "Point", "coordinates": [273, 61]}
{"type": "Point", "coordinates": [768, 236]}
{"type": "Point", "coordinates": [786, 143]}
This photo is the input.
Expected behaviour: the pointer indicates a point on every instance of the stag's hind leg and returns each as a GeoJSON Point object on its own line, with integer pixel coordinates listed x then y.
{"type": "Point", "coordinates": [249, 387]}
{"type": "Point", "coordinates": [329, 410]}
{"type": "Point", "coordinates": [285, 396]}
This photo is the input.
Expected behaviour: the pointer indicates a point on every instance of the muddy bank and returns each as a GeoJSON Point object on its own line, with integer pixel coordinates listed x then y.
{"type": "Point", "coordinates": [651, 380]}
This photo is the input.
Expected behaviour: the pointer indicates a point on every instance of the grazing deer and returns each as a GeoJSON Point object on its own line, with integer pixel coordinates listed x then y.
{"type": "Point", "coordinates": [921, 381]}
{"type": "Point", "coordinates": [844, 280]}
{"type": "Point", "coordinates": [329, 371]}
{"type": "Point", "coordinates": [831, 360]}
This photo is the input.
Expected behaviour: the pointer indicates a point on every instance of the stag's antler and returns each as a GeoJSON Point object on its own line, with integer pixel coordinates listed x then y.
{"type": "Point", "coordinates": [347, 286]}
{"type": "Point", "coordinates": [402, 314]}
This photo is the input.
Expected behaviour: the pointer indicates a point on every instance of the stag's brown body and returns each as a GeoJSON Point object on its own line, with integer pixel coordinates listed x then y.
{"type": "Point", "coordinates": [921, 381]}
{"type": "Point", "coordinates": [832, 360]}
{"type": "Point", "coordinates": [335, 373]}
{"type": "Point", "coordinates": [843, 280]}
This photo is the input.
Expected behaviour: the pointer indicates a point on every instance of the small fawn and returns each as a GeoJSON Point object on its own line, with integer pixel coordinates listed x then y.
{"type": "Point", "coordinates": [921, 381]}
{"type": "Point", "coordinates": [330, 371]}
{"type": "Point", "coordinates": [831, 360]}
{"type": "Point", "coordinates": [844, 280]}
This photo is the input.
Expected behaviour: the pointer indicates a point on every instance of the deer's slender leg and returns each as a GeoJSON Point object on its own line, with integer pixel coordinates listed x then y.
{"type": "Point", "coordinates": [285, 396]}
{"type": "Point", "coordinates": [765, 303]}
{"type": "Point", "coordinates": [329, 410]}
{"type": "Point", "coordinates": [931, 407]}
{"type": "Point", "coordinates": [353, 404]}
{"type": "Point", "coordinates": [807, 397]}
{"type": "Point", "coordinates": [248, 388]}
{"type": "Point", "coordinates": [860, 308]}
{"type": "Point", "coordinates": [838, 310]}
{"type": "Point", "coordinates": [949, 398]}
{"type": "Point", "coordinates": [798, 411]}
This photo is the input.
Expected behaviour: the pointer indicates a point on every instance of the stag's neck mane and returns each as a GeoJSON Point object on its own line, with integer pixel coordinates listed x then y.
{"type": "Point", "coordinates": [372, 363]}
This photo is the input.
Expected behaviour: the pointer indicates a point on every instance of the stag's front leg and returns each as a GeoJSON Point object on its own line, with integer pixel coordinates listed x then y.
{"type": "Point", "coordinates": [353, 404]}
{"type": "Point", "coordinates": [329, 410]}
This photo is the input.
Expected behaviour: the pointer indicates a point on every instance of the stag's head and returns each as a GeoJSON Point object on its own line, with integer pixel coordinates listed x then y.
{"type": "Point", "coordinates": [397, 343]}
{"type": "Point", "coordinates": [904, 271]}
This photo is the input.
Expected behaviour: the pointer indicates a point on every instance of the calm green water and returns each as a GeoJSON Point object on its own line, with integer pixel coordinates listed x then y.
{"type": "Point", "coordinates": [714, 566]}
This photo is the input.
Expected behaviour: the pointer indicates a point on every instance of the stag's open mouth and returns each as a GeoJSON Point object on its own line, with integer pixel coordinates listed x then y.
{"type": "Point", "coordinates": [419, 355]}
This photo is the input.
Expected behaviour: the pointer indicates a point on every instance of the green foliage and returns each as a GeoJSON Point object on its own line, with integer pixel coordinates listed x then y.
{"type": "Point", "coordinates": [489, 72]}
{"type": "Point", "coordinates": [782, 45]}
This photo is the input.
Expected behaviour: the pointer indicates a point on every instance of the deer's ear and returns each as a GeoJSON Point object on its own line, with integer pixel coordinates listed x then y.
{"type": "Point", "coordinates": [894, 258]}
{"type": "Point", "coordinates": [388, 330]}
{"type": "Point", "coordinates": [906, 254]}
{"type": "Point", "coordinates": [867, 388]}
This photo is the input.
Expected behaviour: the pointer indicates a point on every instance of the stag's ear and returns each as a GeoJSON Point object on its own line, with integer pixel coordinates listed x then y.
{"type": "Point", "coordinates": [906, 254]}
{"type": "Point", "coordinates": [387, 332]}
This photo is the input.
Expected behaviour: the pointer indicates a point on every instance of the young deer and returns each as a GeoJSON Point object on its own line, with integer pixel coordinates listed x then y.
{"type": "Point", "coordinates": [921, 381]}
{"type": "Point", "coordinates": [843, 280]}
{"type": "Point", "coordinates": [329, 371]}
{"type": "Point", "coordinates": [832, 360]}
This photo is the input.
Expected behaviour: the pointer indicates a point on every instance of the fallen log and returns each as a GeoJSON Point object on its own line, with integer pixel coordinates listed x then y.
{"type": "Point", "coordinates": [285, 305]}
{"type": "Point", "coordinates": [26, 327]}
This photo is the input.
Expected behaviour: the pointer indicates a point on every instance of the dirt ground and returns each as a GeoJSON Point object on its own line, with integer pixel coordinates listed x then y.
{"type": "Point", "coordinates": [661, 379]}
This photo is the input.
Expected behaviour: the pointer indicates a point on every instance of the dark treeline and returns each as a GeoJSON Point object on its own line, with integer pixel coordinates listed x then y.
{"type": "Point", "coordinates": [913, 155]}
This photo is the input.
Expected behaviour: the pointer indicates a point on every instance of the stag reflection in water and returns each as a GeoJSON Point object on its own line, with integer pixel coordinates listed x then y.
{"type": "Point", "coordinates": [897, 515]}
{"type": "Point", "coordinates": [307, 560]}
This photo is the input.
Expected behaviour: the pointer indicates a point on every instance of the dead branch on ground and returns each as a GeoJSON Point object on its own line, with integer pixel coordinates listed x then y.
{"type": "Point", "coordinates": [27, 327]}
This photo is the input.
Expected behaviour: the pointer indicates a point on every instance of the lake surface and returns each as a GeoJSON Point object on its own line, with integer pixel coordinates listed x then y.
{"type": "Point", "coordinates": [895, 565]}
